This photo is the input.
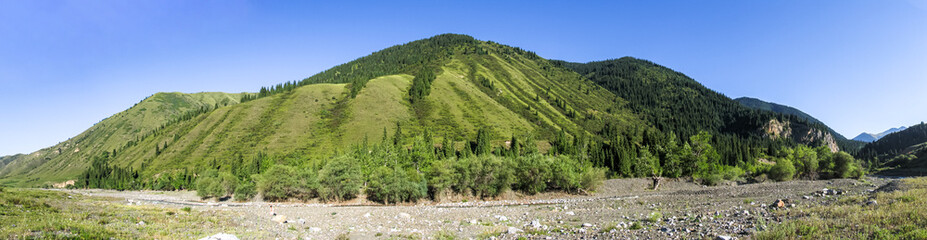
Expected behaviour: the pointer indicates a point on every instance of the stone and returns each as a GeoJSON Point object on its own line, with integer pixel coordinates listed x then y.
{"type": "Point", "coordinates": [536, 224]}
{"type": "Point", "coordinates": [279, 219]}
{"type": "Point", "coordinates": [779, 203]}
{"type": "Point", "coordinates": [140, 223]}
{"type": "Point", "coordinates": [587, 224]}
{"type": "Point", "coordinates": [571, 213]}
{"type": "Point", "coordinates": [366, 215]}
{"type": "Point", "coordinates": [872, 202]}
{"type": "Point", "coordinates": [514, 230]}
{"type": "Point", "coordinates": [405, 215]}
{"type": "Point", "coordinates": [806, 197]}
{"type": "Point", "coordinates": [301, 221]}
{"type": "Point", "coordinates": [723, 237]}
{"type": "Point", "coordinates": [221, 236]}
{"type": "Point", "coordinates": [501, 218]}
{"type": "Point", "coordinates": [315, 229]}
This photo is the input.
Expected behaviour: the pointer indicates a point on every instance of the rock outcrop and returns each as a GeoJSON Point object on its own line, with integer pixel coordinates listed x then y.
{"type": "Point", "coordinates": [800, 133]}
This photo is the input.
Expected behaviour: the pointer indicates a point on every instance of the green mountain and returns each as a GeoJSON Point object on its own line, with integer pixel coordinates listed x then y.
{"type": "Point", "coordinates": [120, 131]}
{"type": "Point", "coordinates": [673, 102]}
{"type": "Point", "coordinates": [450, 86]}
{"type": "Point", "coordinates": [453, 85]}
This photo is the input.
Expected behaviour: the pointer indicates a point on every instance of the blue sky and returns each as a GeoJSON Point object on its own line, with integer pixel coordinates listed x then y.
{"type": "Point", "coordinates": [65, 65]}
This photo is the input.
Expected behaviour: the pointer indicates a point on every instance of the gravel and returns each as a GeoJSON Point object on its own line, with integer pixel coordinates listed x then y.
{"type": "Point", "coordinates": [678, 210]}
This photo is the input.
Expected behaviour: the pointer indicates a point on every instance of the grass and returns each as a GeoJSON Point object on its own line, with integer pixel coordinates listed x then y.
{"type": "Point", "coordinates": [897, 215]}
{"type": "Point", "coordinates": [31, 213]}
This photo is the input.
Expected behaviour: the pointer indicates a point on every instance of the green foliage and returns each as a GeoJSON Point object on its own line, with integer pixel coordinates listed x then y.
{"type": "Point", "coordinates": [281, 182]}
{"type": "Point", "coordinates": [212, 183]}
{"type": "Point", "coordinates": [340, 179]}
{"type": "Point", "coordinates": [783, 170]}
{"type": "Point", "coordinates": [396, 185]}
{"type": "Point", "coordinates": [245, 191]}
{"type": "Point", "coordinates": [532, 172]}
{"type": "Point", "coordinates": [442, 177]}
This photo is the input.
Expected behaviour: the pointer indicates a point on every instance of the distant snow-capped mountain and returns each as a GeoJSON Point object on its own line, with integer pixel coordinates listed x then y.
{"type": "Point", "coordinates": [872, 137]}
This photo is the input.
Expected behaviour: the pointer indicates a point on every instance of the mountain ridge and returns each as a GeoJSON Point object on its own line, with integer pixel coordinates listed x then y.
{"type": "Point", "coordinates": [447, 86]}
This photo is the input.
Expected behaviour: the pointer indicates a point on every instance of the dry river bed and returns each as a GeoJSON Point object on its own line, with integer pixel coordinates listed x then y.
{"type": "Point", "coordinates": [621, 209]}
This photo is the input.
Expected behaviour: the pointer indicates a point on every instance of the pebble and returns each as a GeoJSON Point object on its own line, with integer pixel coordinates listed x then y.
{"type": "Point", "coordinates": [587, 224]}
{"type": "Point", "coordinates": [514, 230]}
{"type": "Point", "coordinates": [571, 213]}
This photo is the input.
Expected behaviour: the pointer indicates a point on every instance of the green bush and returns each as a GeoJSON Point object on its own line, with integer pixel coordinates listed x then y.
{"type": "Point", "coordinates": [396, 185]}
{"type": "Point", "coordinates": [281, 182]}
{"type": "Point", "coordinates": [783, 170]}
{"type": "Point", "coordinates": [712, 179]}
{"type": "Point", "coordinates": [441, 177]}
{"type": "Point", "coordinates": [592, 178]}
{"type": "Point", "coordinates": [214, 184]}
{"type": "Point", "coordinates": [566, 174]}
{"type": "Point", "coordinates": [490, 175]}
{"type": "Point", "coordinates": [340, 179]}
{"type": "Point", "coordinates": [532, 173]}
{"type": "Point", "coordinates": [843, 165]}
{"type": "Point", "coordinates": [245, 191]}
{"type": "Point", "coordinates": [732, 173]}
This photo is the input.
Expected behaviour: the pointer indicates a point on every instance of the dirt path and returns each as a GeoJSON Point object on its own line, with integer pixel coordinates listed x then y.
{"type": "Point", "coordinates": [678, 209]}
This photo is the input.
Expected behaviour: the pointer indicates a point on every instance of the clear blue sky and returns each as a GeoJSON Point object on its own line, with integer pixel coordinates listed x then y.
{"type": "Point", "coordinates": [65, 65]}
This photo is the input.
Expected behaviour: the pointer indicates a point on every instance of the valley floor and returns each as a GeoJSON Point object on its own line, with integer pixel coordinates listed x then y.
{"type": "Point", "coordinates": [622, 208]}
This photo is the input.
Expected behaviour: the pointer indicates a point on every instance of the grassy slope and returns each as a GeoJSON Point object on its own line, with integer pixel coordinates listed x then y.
{"type": "Point", "coordinates": [70, 157]}
{"type": "Point", "coordinates": [41, 214]}
{"type": "Point", "coordinates": [897, 215]}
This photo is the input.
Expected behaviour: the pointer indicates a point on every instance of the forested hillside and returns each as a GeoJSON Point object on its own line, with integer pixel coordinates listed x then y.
{"type": "Point", "coordinates": [439, 115]}
{"type": "Point", "coordinates": [675, 103]}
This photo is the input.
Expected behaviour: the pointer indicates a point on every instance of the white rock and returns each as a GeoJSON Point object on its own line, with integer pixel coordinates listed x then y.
{"type": "Point", "coordinates": [405, 215]}
{"type": "Point", "coordinates": [722, 237]}
{"type": "Point", "coordinates": [140, 223]}
{"type": "Point", "coordinates": [366, 215]}
{"type": "Point", "coordinates": [536, 223]}
{"type": "Point", "coordinates": [220, 236]}
{"type": "Point", "coordinates": [513, 230]}
{"type": "Point", "coordinates": [301, 221]}
{"type": "Point", "coordinates": [501, 218]}
{"type": "Point", "coordinates": [571, 213]}
{"type": "Point", "coordinates": [587, 224]}
{"type": "Point", "coordinates": [315, 229]}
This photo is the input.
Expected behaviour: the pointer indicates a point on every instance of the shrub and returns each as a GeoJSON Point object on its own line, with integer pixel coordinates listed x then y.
{"type": "Point", "coordinates": [214, 184]}
{"type": "Point", "coordinates": [712, 179]}
{"type": "Point", "coordinates": [281, 182]}
{"type": "Point", "coordinates": [783, 170]}
{"type": "Point", "coordinates": [395, 185]}
{"type": "Point", "coordinates": [566, 174]}
{"type": "Point", "coordinates": [491, 175]}
{"type": "Point", "coordinates": [441, 177]}
{"type": "Point", "coordinates": [340, 179]}
{"type": "Point", "coordinates": [245, 191]}
{"type": "Point", "coordinates": [843, 165]}
{"type": "Point", "coordinates": [732, 173]}
{"type": "Point", "coordinates": [532, 173]}
{"type": "Point", "coordinates": [592, 178]}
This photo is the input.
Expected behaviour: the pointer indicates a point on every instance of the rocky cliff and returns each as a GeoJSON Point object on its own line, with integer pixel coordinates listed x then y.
{"type": "Point", "coordinates": [800, 133]}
